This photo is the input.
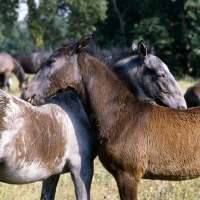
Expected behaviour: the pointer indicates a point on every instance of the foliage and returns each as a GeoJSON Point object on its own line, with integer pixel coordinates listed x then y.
{"type": "Point", "coordinates": [39, 18]}
{"type": "Point", "coordinates": [172, 26]}
{"type": "Point", "coordinates": [8, 15]}
{"type": "Point", "coordinates": [81, 15]}
{"type": "Point", "coordinates": [19, 40]}
{"type": "Point", "coordinates": [53, 21]}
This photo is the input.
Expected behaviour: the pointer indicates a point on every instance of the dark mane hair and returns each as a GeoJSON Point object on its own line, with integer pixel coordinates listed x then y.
{"type": "Point", "coordinates": [111, 57]}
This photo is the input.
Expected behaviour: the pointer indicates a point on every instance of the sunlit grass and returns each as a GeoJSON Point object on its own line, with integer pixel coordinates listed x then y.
{"type": "Point", "coordinates": [14, 88]}
{"type": "Point", "coordinates": [184, 85]}
{"type": "Point", "coordinates": [103, 184]}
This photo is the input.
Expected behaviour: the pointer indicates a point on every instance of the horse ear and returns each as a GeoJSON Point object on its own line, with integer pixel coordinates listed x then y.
{"type": "Point", "coordinates": [84, 41]}
{"type": "Point", "coordinates": [134, 46]}
{"type": "Point", "coordinates": [142, 49]}
{"type": "Point", "coordinates": [81, 43]}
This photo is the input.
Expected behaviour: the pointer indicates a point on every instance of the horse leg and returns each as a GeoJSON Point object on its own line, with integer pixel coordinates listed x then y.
{"type": "Point", "coordinates": [127, 184]}
{"type": "Point", "coordinates": [6, 80]}
{"type": "Point", "coordinates": [82, 179]}
{"type": "Point", "coordinates": [8, 85]}
{"type": "Point", "coordinates": [49, 187]}
{"type": "Point", "coordinates": [1, 81]}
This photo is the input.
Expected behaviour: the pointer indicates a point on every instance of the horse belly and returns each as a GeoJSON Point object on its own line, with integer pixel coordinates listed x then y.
{"type": "Point", "coordinates": [175, 171]}
{"type": "Point", "coordinates": [26, 173]}
{"type": "Point", "coordinates": [28, 163]}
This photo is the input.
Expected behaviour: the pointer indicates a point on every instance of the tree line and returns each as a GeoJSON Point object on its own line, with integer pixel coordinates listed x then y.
{"type": "Point", "coordinates": [172, 26]}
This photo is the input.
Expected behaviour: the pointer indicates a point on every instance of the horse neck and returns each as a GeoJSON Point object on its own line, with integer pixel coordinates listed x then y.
{"type": "Point", "coordinates": [102, 93]}
{"type": "Point", "coordinates": [18, 71]}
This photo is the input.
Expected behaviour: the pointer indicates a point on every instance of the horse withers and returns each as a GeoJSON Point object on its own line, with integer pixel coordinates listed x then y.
{"type": "Point", "coordinates": [41, 143]}
{"type": "Point", "coordinates": [145, 75]}
{"type": "Point", "coordinates": [136, 139]}
{"type": "Point", "coordinates": [9, 65]}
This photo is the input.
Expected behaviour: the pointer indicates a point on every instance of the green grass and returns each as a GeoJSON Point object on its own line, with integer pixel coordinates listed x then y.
{"type": "Point", "coordinates": [103, 184]}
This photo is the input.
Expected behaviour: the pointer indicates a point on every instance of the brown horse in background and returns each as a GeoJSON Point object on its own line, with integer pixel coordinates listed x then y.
{"type": "Point", "coordinates": [32, 62]}
{"type": "Point", "coordinates": [192, 95]}
{"type": "Point", "coordinates": [9, 65]}
{"type": "Point", "coordinates": [135, 139]}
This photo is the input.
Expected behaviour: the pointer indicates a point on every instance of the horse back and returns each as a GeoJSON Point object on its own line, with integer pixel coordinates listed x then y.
{"type": "Point", "coordinates": [6, 63]}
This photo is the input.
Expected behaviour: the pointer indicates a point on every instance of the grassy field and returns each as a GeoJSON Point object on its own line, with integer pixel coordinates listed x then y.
{"type": "Point", "coordinates": [103, 184]}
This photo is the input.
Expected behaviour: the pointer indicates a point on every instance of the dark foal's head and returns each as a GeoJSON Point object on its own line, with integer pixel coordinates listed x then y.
{"type": "Point", "coordinates": [151, 79]}
{"type": "Point", "coordinates": [59, 72]}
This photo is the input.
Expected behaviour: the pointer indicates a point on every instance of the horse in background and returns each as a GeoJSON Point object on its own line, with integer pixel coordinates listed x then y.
{"type": "Point", "coordinates": [151, 81]}
{"type": "Point", "coordinates": [41, 143]}
{"type": "Point", "coordinates": [31, 62]}
{"type": "Point", "coordinates": [9, 65]}
{"type": "Point", "coordinates": [192, 95]}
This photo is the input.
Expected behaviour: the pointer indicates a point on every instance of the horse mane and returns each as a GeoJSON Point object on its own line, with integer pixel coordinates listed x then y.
{"type": "Point", "coordinates": [111, 57]}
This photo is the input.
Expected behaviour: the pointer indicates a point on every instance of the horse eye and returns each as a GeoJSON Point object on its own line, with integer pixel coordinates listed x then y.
{"type": "Point", "coordinates": [51, 60]}
{"type": "Point", "coordinates": [160, 74]}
